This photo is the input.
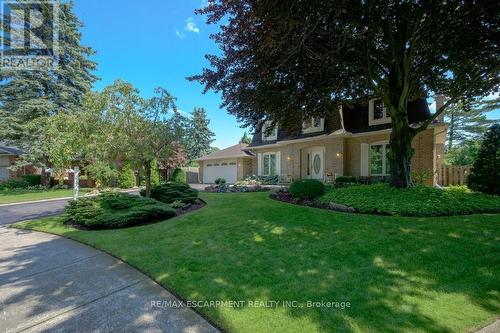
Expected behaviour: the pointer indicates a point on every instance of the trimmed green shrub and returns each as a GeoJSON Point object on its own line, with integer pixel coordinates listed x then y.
{"type": "Point", "coordinates": [126, 178]}
{"type": "Point", "coordinates": [345, 181]}
{"type": "Point", "coordinates": [33, 180]}
{"type": "Point", "coordinates": [116, 210]}
{"type": "Point", "coordinates": [306, 189]}
{"type": "Point", "coordinates": [178, 176]}
{"type": "Point", "coordinates": [485, 172]}
{"type": "Point", "coordinates": [220, 181]}
{"type": "Point", "coordinates": [14, 183]}
{"type": "Point", "coordinates": [170, 192]}
{"type": "Point", "coordinates": [418, 200]}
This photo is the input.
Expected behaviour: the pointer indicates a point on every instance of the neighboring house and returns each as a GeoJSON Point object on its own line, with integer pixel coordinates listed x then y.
{"type": "Point", "coordinates": [233, 163]}
{"type": "Point", "coordinates": [353, 142]}
{"type": "Point", "coordinates": [8, 156]}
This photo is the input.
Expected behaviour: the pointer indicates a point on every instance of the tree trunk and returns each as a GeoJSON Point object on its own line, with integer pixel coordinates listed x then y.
{"type": "Point", "coordinates": [147, 169]}
{"type": "Point", "coordinates": [400, 154]}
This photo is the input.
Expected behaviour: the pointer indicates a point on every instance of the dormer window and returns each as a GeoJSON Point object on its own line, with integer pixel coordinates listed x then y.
{"type": "Point", "coordinates": [313, 124]}
{"type": "Point", "coordinates": [378, 113]}
{"type": "Point", "coordinates": [269, 135]}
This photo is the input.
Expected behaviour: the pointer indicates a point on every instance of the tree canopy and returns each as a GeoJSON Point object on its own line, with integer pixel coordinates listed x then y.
{"type": "Point", "coordinates": [289, 60]}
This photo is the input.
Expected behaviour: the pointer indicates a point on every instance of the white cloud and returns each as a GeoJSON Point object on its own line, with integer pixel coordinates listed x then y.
{"type": "Point", "coordinates": [179, 34]}
{"type": "Point", "coordinates": [191, 26]}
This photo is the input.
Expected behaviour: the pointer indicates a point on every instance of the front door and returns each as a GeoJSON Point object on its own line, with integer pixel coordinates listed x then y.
{"type": "Point", "coordinates": [316, 164]}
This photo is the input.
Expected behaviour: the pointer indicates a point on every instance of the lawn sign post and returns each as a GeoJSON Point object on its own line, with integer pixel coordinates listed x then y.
{"type": "Point", "coordinates": [76, 182]}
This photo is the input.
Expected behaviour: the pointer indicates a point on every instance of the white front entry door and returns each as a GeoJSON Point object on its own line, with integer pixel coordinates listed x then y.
{"type": "Point", "coordinates": [214, 170]}
{"type": "Point", "coordinates": [317, 164]}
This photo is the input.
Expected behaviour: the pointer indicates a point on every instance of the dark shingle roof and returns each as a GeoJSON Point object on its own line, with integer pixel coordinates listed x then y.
{"type": "Point", "coordinates": [239, 150]}
{"type": "Point", "coordinates": [9, 150]}
{"type": "Point", "coordinates": [355, 121]}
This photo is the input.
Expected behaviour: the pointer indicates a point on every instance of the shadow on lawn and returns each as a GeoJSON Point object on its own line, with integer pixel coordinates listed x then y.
{"type": "Point", "coordinates": [398, 274]}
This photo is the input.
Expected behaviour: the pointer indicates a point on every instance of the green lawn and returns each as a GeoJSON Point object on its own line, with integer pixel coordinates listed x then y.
{"type": "Point", "coordinates": [20, 195]}
{"type": "Point", "coordinates": [399, 274]}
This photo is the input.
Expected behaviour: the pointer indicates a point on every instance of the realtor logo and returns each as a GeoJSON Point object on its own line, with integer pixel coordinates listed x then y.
{"type": "Point", "coordinates": [29, 35]}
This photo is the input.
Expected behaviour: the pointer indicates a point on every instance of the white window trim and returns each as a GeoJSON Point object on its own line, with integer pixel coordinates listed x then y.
{"type": "Point", "coordinates": [261, 156]}
{"type": "Point", "coordinates": [273, 136]}
{"type": "Point", "coordinates": [384, 158]}
{"type": "Point", "coordinates": [371, 120]}
{"type": "Point", "coordinates": [313, 129]}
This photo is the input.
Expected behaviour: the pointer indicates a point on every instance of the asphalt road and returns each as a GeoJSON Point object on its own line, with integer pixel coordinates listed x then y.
{"type": "Point", "coordinates": [26, 211]}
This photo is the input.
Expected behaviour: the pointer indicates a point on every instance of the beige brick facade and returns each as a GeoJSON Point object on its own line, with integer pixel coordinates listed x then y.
{"type": "Point", "coordinates": [343, 154]}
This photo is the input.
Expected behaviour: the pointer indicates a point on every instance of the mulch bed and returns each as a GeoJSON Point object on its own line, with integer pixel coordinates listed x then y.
{"type": "Point", "coordinates": [178, 212]}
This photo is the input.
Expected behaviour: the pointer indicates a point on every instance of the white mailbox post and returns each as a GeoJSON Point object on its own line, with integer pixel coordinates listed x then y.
{"type": "Point", "coordinates": [76, 182]}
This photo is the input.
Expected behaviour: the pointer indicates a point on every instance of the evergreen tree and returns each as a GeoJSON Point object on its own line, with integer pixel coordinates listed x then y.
{"type": "Point", "coordinates": [28, 97]}
{"type": "Point", "coordinates": [245, 138]}
{"type": "Point", "coordinates": [469, 122]}
{"type": "Point", "coordinates": [485, 175]}
{"type": "Point", "coordinates": [200, 136]}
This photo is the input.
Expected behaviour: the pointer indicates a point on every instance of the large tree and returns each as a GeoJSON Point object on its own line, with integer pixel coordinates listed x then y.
{"type": "Point", "coordinates": [28, 97]}
{"type": "Point", "coordinates": [468, 122]}
{"type": "Point", "coordinates": [289, 60]}
{"type": "Point", "coordinates": [200, 136]}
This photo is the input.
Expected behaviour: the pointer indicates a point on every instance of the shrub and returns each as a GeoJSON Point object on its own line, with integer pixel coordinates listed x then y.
{"type": "Point", "coordinates": [345, 181]}
{"type": "Point", "coordinates": [116, 210]}
{"type": "Point", "coordinates": [14, 183]}
{"type": "Point", "coordinates": [170, 192]}
{"type": "Point", "coordinates": [178, 176]}
{"type": "Point", "coordinates": [484, 176]}
{"type": "Point", "coordinates": [126, 178]}
{"type": "Point", "coordinates": [419, 200]}
{"type": "Point", "coordinates": [220, 181]}
{"type": "Point", "coordinates": [306, 189]}
{"type": "Point", "coordinates": [33, 180]}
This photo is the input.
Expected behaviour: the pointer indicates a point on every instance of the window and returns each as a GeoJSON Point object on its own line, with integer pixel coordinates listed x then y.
{"type": "Point", "coordinates": [378, 113]}
{"type": "Point", "coordinates": [216, 164]}
{"type": "Point", "coordinates": [269, 164]}
{"type": "Point", "coordinates": [232, 163]}
{"type": "Point", "coordinates": [271, 135]}
{"type": "Point", "coordinates": [379, 164]}
{"type": "Point", "coordinates": [209, 165]}
{"type": "Point", "coordinates": [313, 124]}
{"type": "Point", "coordinates": [223, 164]}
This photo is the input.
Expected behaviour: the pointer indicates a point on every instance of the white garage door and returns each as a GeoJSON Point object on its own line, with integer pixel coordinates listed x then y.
{"type": "Point", "coordinates": [214, 170]}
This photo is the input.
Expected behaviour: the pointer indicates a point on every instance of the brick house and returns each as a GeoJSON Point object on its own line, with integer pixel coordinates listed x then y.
{"type": "Point", "coordinates": [8, 157]}
{"type": "Point", "coordinates": [353, 142]}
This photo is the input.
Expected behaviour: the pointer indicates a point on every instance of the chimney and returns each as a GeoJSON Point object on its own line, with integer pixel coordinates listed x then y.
{"type": "Point", "coordinates": [440, 100]}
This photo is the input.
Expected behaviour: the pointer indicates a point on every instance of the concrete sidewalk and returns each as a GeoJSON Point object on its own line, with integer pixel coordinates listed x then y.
{"type": "Point", "coordinates": [49, 283]}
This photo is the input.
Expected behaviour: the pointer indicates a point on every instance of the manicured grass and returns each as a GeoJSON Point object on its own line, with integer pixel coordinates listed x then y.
{"type": "Point", "coordinates": [20, 195]}
{"type": "Point", "coordinates": [415, 201]}
{"type": "Point", "coordinates": [398, 273]}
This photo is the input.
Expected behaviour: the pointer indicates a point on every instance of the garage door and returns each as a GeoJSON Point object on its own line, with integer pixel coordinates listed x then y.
{"type": "Point", "coordinates": [4, 164]}
{"type": "Point", "coordinates": [214, 170]}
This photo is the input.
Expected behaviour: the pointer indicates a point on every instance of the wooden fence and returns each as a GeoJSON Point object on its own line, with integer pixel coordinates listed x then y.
{"type": "Point", "coordinates": [453, 174]}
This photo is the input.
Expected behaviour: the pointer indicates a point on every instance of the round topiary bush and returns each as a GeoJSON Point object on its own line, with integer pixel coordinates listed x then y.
{"type": "Point", "coordinates": [220, 181]}
{"type": "Point", "coordinates": [306, 189]}
{"type": "Point", "coordinates": [178, 176]}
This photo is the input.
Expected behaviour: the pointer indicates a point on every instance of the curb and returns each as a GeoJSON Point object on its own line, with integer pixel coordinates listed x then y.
{"type": "Point", "coordinates": [56, 199]}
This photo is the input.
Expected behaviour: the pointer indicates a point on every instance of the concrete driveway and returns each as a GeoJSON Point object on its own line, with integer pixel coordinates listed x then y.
{"type": "Point", "coordinates": [49, 283]}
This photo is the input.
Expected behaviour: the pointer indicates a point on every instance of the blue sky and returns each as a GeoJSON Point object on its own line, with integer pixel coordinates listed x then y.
{"type": "Point", "coordinates": [158, 43]}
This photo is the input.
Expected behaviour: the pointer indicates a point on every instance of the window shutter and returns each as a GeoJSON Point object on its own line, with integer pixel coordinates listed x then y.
{"type": "Point", "coordinates": [278, 163]}
{"type": "Point", "coordinates": [259, 164]}
{"type": "Point", "coordinates": [364, 160]}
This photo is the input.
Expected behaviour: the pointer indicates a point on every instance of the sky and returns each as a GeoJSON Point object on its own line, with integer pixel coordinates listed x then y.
{"type": "Point", "coordinates": [155, 43]}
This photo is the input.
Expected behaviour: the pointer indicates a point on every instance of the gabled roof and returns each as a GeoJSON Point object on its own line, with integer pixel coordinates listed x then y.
{"type": "Point", "coordinates": [9, 150]}
{"type": "Point", "coordinates": [355, 118]}
{"type": "Point", "coordinates": [239, 150]}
